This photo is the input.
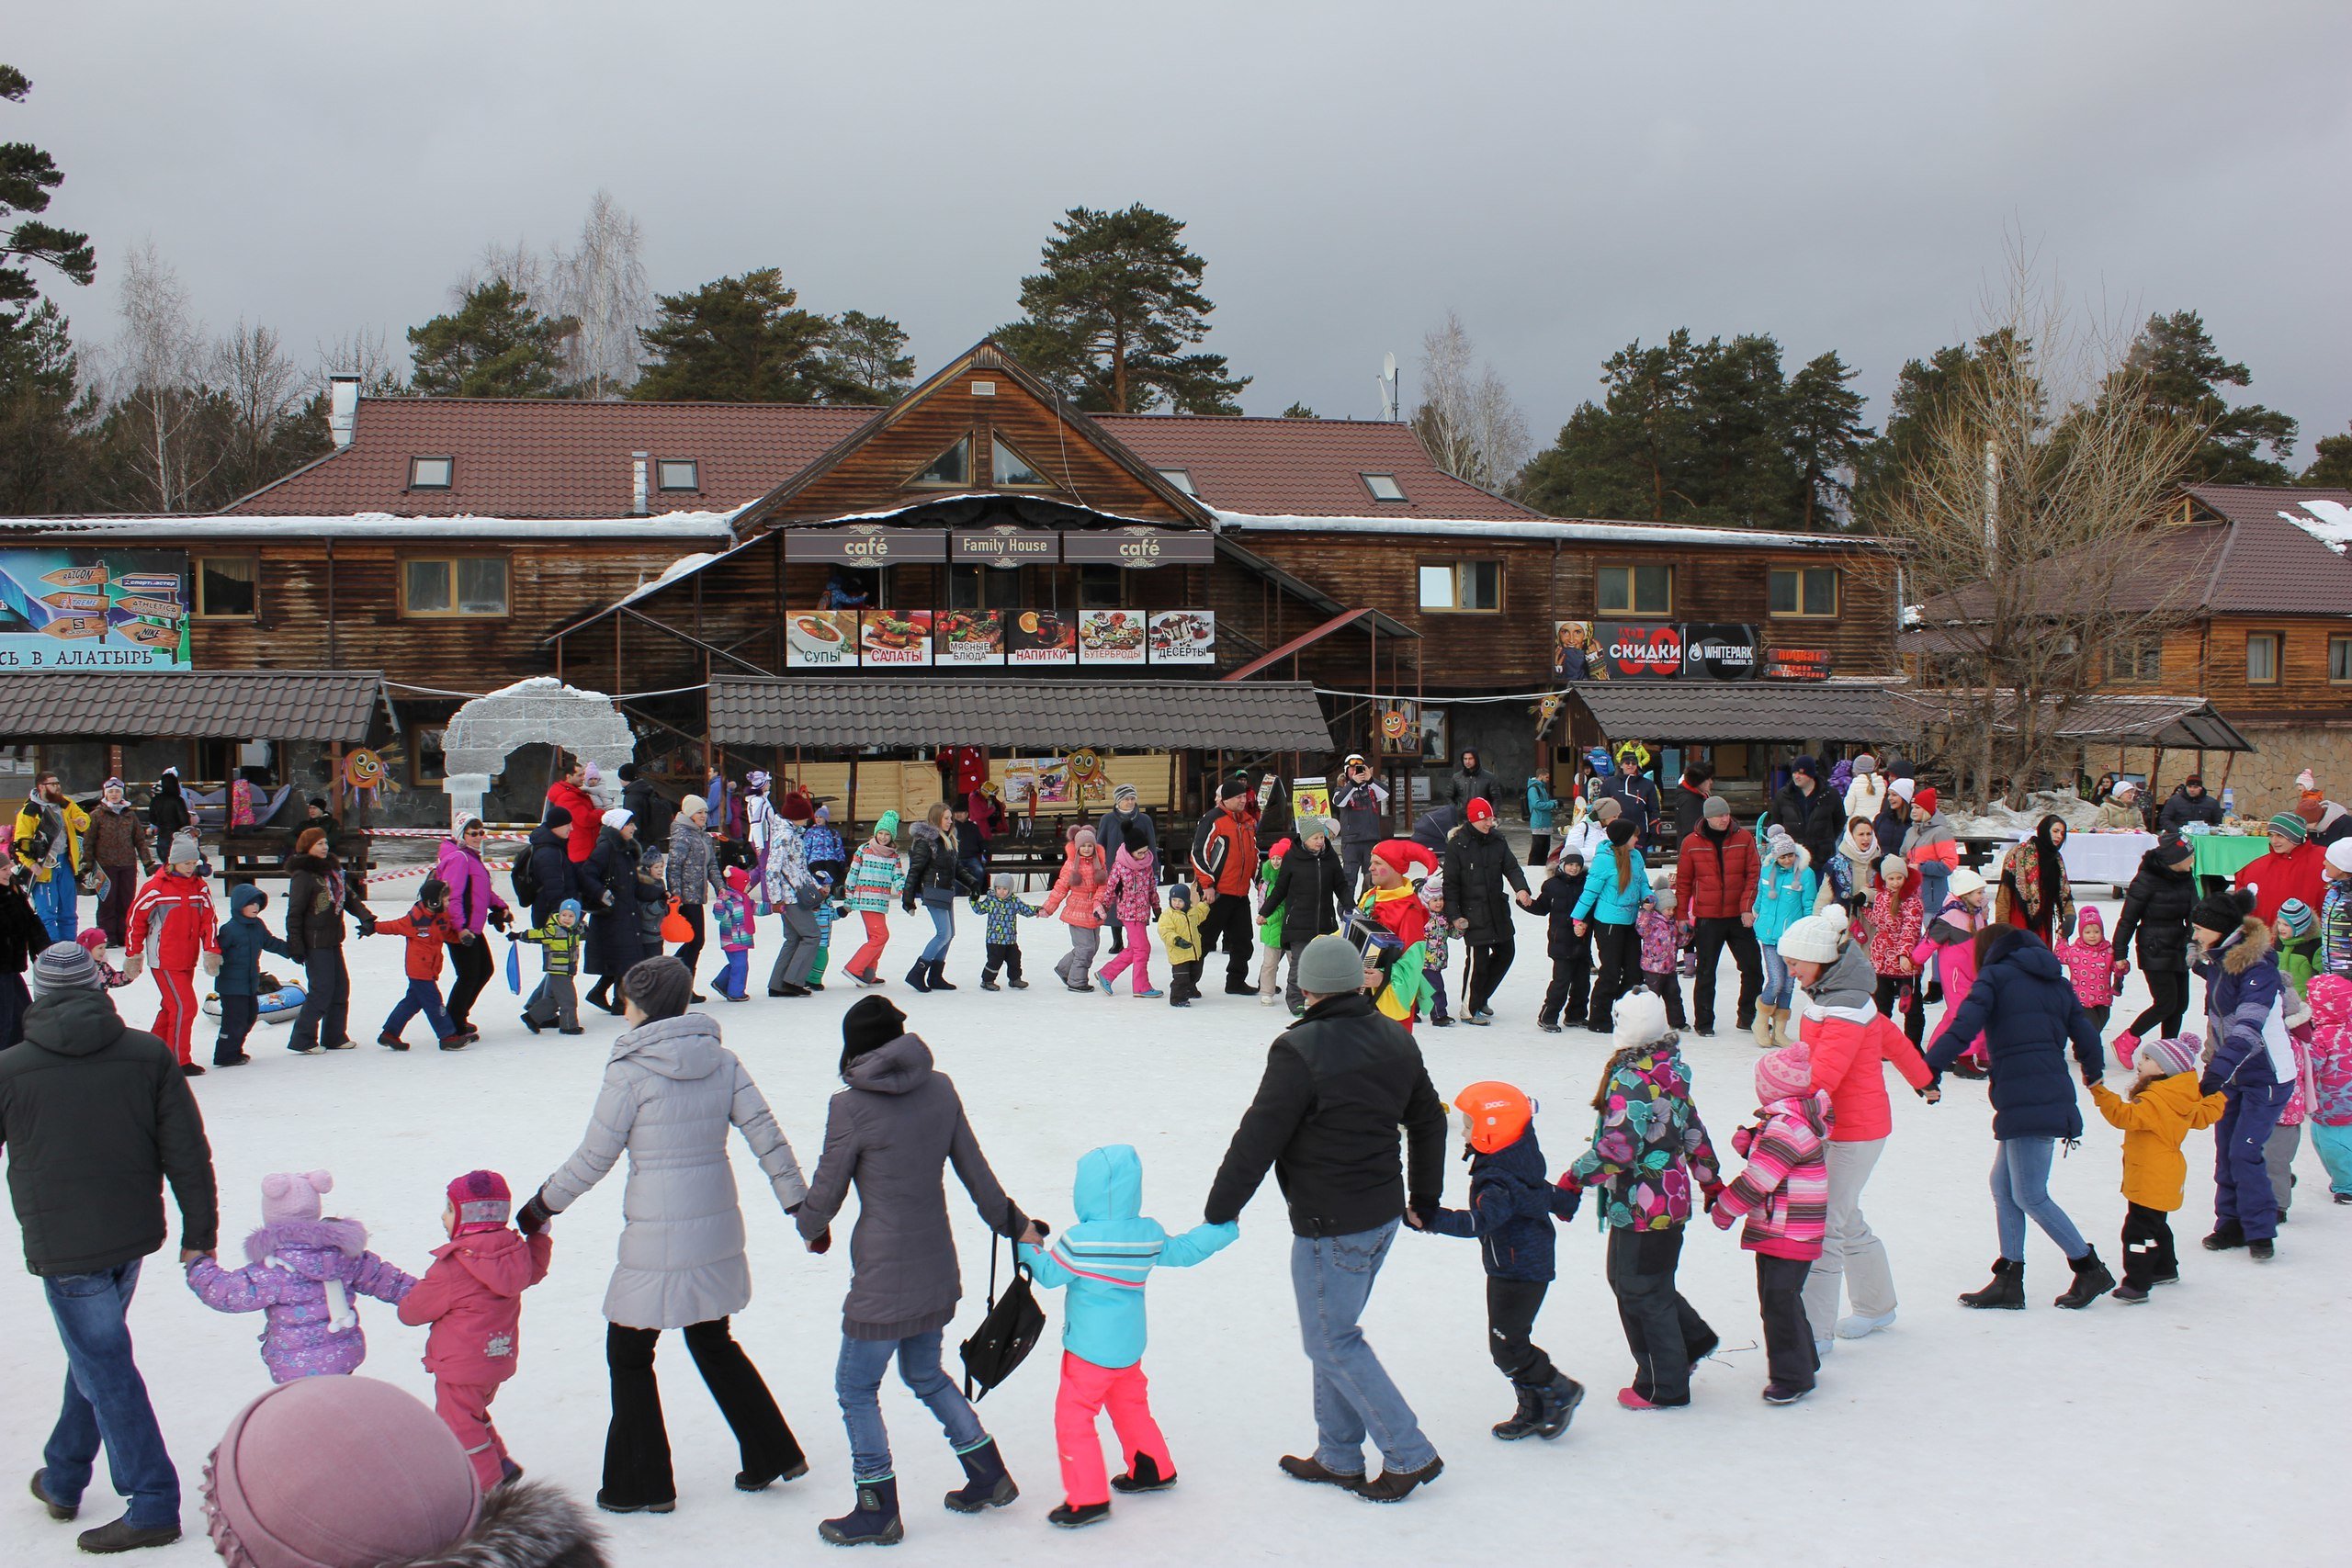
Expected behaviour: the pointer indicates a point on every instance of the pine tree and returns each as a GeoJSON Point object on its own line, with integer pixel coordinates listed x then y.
{"type": "Point", "coordinates": [866, 360]}
{"type": "Point", "coordinates": [494, 345]}
{"type": "Point", "coordinates": [1118, 299]}
{"type": "Point", "coordinates": [738, 340]}
{"type": "Point", "coordinates": [45, 416]}
{"type": "Point", "coordinates": [2332, 466]}
{"type": "Point", "coordinates": [1827, 438]}
{"type": "Point", "coordinates": [1298, 410]}
{"type": "Point", "coordinates": [1927, 392]}
{"type": "Point", "coordinates": [26, 176]}
{"type": "Point", "coordinates": [2184, 374]}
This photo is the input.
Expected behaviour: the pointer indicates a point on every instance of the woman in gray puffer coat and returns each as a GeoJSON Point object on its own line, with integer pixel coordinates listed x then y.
{"type": "Point", "coordinates": [889, 1134]}
{"type": "Point", "coordinates": [671, 1093]}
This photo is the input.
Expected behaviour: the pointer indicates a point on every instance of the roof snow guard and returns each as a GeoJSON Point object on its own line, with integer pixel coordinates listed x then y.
{"type": "Point", "coordinates": [1025, 714]}
{"type": "Point", "coordinates": [275, 705]}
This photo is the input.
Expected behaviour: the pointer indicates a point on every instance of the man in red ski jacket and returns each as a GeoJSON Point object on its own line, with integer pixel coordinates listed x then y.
{"type": "Point", "coordinates": [171, 929]}
{"type": "Point", "coordinates": [1714, 879]}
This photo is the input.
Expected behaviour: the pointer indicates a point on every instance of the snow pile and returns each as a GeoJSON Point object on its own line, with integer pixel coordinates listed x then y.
{"type": "Point", "coordinates": [2329, 522]}
{"type": "Point", "coordinates": [1998, 821]}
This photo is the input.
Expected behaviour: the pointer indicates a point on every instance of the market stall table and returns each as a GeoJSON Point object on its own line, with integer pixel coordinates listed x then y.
{"type": "Point", "coordinates": [2110, 858]}
{"type": "Point", "coordinates": [2222, 856]}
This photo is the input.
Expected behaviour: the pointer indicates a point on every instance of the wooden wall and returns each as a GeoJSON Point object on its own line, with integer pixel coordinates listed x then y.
{"type": "Point", "coordinates": [2210, 657]}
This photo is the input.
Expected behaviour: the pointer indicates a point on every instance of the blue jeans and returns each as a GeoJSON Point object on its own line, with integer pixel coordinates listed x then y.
{"type": "Point", "coordinates": [2242, 1190]}
{"type": "Point", "coordinates": [857, 1383]}
{"type": "Point", "coordinates": [105, 1400]}
{"type": "Point", "coordinates": [1333, 1276]}
{"type": "Point", "coordinates": [423, 997]}
{"type": "Point", "coordinates": [943, 931]}
{"type": "Point", "coordinates": [1780, 986]}
{"type": "Point", "coordinates": [2022, 1189]}
{"type": "Point", "coordinates": [55, 901]}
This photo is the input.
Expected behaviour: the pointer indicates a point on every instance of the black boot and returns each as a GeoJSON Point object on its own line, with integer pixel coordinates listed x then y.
{"type": "Point", "coordinates": [2007, 1289]}
{"type": "Point", "coordinates": [1144, 1476]}
{"type": "Point", "coordinates": [1559, 1400]}
{"type": "Point", "coordinates": [939, 981]}
{"type": "Point", "coordinates": [919, 976]}
{"type": "Point", "coordinates": [985, 1484]}
{"type": "Point", "coordinates": [1072, 1516]}
{"type": "Point", "coordinates": [2227, 1236]}
{"type": "Point", "coordinates": [875, 1519]}
{"type": "Point", "coordinates": [1522, 1422]}
{"type": "Point", "coordinates": [2091, 1281]}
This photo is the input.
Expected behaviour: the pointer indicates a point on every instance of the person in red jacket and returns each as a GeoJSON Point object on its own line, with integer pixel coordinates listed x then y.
{"type": "Point", "coordinates": [571, 792]}
{"type": "Point", "coordinates": [1715, 875]}
{"type": "Point", "coordinates": [2295, 868]}
{"type": "Point", "coordinates": [473, 1298]}
{"type": "Point", "coordinates": [172, 919]}
{"type": "Point", "coordinates": [1224, 865]}
{"type": "Point", "coordinates": [428, 928]}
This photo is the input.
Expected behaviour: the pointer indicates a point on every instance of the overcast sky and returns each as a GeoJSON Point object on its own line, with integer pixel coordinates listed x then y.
{"type": "Point", "coordinates": [1568, 176]}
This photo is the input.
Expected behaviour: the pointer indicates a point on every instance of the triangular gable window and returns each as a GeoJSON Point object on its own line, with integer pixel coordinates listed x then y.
{"type": "Point", "coordinates": [1013, 472]}
{"type": "Point", "coordinates": [950, 467]}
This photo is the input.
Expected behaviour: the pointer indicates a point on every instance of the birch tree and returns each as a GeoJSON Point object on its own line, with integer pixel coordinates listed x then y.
{"type": "Point", "coordinates": [1467, 417]}
{"type": "Point", "coordinates": [158, 382]}
{"type": "Point", "coordinates": [600, 284]}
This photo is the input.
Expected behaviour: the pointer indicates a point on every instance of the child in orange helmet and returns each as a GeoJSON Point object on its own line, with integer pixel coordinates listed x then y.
{"type": "Point", "coordinates": [1512, 1205]}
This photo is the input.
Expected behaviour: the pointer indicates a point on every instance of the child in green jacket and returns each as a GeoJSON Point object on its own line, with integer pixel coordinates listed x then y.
{"type": "Point", "coordinates": [555, 1000]}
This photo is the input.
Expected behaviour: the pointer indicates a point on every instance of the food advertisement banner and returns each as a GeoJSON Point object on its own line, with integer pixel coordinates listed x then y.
{"type": "Point", "coordinates": [1720, 651]}
{"type": "Point", "coordinates": [969, 636]}
{"type": "Point", "coordinates": [894, 638]}
{"type": "Point", "coordinates": [1110, 637]}
{"type": "Point", "coordinates": [820, 639]}
{"type": "Point", "coordinates": [94, 610]}
{"type": "Point", "coordinates": [1640, 650]}
{"type": "Point", "coordinates": [1183, 636]}
{"type": "Point", "coordinates": [1041, 636]}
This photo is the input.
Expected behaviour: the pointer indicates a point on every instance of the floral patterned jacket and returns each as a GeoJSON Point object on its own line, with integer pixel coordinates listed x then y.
{"type": "Point", "coordinates": [1647, 1145]}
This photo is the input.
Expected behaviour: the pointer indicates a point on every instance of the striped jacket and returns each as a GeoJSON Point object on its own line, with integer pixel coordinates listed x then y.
{"type": "Point", "coordinates": [559, 946]}
{"type": "Point", "coordinates": [2335, 929]}
{"type": "Point", "coordinates": [1106, 1256]}
{"type": "Point", "coordinates": [877, 877]}
{"type": "Point", "coordinates": [1784, 1192]}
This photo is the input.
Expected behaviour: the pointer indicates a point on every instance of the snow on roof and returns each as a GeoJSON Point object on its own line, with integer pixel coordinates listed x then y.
{"type": "Point", "coordinates": [1547, 528]}
{"type": "Point", "coordinates": [664, 525]}
{"type": "Point", "coordinates": [919, 503]}
{"type": "Point", "coordinates": [2329, 522]}
{"type": "Point", "coordinates": [671, 573]}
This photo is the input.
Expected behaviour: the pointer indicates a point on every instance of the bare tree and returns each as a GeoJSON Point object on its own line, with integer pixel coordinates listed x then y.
{"type": "Point", "coordinates": [260, 390]}
{"type": "Point", "coordinates": [602, 285]}
{"type": "Point", "coordinates": [2023, 515]}
{"type": "Point", "coordinates": [366, 352]}
{"type": "Point", "coordinates": [1466, 418]}
{"type": "Point", "coordinates": [158, 376]}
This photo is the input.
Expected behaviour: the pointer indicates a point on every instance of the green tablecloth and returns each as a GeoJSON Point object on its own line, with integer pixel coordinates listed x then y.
{"type": "Point", "coordinates": [2225, 855]}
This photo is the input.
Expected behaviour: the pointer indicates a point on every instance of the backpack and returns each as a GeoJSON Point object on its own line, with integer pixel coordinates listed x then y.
{"type": "Point", "coordinates": [525, 878]}
{"type": "Point", "coordinates": [1010, 1330]}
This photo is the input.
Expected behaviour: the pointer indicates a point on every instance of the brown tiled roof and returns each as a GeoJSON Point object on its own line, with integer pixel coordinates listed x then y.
{"type": "Point", "coordinates": [1302, 467]}
{"type": "Point", "coordinates": [275, 705]}
{"type": "Point", "coordinates": [748, 710]}
{"type": "Point", "coordinates": [554, 457]}
{"type": "Point", "coordinates": [2269, 565]}
{"type": "Point", "coordinates": [1741, 710]}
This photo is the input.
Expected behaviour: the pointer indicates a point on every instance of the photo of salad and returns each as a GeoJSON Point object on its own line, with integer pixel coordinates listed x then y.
{"type": "Point", "coordinates": [896, 636]}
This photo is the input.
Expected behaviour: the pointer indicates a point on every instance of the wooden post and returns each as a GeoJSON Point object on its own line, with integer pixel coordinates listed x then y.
{"type": "Point", "coordinates": [334, 778]}
{"type": "Point", "coordinates": [851, 811]}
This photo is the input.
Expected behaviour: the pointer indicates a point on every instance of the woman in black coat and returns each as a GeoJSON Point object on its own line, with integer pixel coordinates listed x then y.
{"type": "Point", "coordinates": [1308, 886]}
{"type": "Point", "coordinates": [318, 896]}
{"type": "Point", "coordinates": [167, 810]}
{"type": "Point", "coordinates": [22, 936]}
{"type": "Point", "coordinates": [2155, 907]}
{"type": "Point", "coordinates": [615, 921]}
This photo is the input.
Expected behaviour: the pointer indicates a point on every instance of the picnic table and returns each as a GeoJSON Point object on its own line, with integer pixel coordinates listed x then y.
{"type": "Point", "coordinates": [259, 854]}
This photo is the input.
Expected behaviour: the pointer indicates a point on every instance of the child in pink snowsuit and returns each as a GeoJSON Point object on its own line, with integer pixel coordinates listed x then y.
{"type": "Point", "coordinates": [473, 1298]}
{"type": "Point", "coordinates": [303, 1272]}
{"type": "Point", "coordinates": [1133, 901]}
{"type": "Point", "coordinates": [2090, 964]}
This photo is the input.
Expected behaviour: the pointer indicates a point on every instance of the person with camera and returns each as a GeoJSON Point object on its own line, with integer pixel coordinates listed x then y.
{"type": "Point", "coordinates": [1361, 803]}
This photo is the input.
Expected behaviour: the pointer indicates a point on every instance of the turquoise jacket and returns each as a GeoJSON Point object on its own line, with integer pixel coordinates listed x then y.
{"type": "Point", "coordinates": [1104, 1257]}
{"type": "Point", "coordinates": [1783, 894]}
{"type": "Point", "coordinates": [1542, 804]}
{"type": "Point", "coordinates": [1603, 899]}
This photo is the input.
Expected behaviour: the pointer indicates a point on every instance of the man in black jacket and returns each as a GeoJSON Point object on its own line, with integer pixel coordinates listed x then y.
{"type": "Point", "coordinates": [2188, 803]}
{"type": "Point", "coordinates": [1309, 892]}
{"type": "Point", "coordinates": [653, 810]}
{"type": "Point", "coordinates": [96, 1117]}
{"type": "Point", "coordinates": [1635, 793]}
{"type": "Point", "coordinates": [1339, 1084]}
{"type": "Point", "coordinates": [1807, 812]}
{"type": "Point", "coordinates": [1472, 782]}
{"type": "Point", "coordinates": [1482, 878]}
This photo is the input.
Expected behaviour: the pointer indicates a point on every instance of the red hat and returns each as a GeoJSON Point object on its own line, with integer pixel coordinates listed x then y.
{"type": "Point", "coordinates": [1403, 854]}
{"type": "Point", "coordinates": [1925, 799]}
{"type": "Point", "coordinates": [1480, 810]}
{"type": "Point", "coordinates": [481, 1201]}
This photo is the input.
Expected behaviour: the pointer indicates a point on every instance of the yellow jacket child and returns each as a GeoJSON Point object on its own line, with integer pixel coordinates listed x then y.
{"type": "Point", "coordinates": [1179, 929]}
{"type": "Point", "coordinates": [2154, 1122]}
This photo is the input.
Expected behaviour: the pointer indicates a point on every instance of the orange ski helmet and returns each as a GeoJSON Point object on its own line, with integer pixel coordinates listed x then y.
{"type": "Point", "coordinates": [1494, 1115]}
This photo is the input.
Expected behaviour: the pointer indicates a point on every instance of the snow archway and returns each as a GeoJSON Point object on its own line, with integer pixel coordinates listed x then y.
{"type": "Point", "coordinates": [540, 711]}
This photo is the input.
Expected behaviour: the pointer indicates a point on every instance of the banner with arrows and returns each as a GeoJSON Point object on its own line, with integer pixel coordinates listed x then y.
{"type": "Point", "coordinates": [94, 610]}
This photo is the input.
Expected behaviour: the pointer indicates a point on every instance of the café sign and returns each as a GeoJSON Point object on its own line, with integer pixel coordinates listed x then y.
{"type": "Point", "coordinates": [1137, 547]}
{"type": "Point", "coordinates": [865, 544]}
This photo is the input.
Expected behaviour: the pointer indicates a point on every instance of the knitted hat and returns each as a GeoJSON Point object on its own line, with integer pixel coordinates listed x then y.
{"type": "Point", "coordinates": [1889, 866]}
{"type": "Point", "coordinates": [1402, 855]}
{"type": "Point", "coordinates": [593, 772]}
{"type": "Point", "coordinates": [291, 1198]}
{"type": "Point", "coordinates": [691, 804]}
{"type": "Point", "coordinates": [1716, 808]}
{"type": "Point", "coordinates": [1123, 792]}
{"type": "Point", "coordinates": [337, 1472]}
{"type": "Point", "coordinates": [2339, 855]}
{"type": "Point", "coordinates": [2180, 1054]}
{"type": "Point", "coordinates": [1640, 1020]}
{"type": "Point", "coordinates": [1806, 766]}
{"type": "Point", "coordinates": [1907, 788]}
{"type": "Point", "coordinates": [1963, 882]}
{"type": "Point", "coordinates": [2296, 917]}
{"type": "Point", "coordinates": [1813, 940]}
{"type": "Point", "coordinates": [2193, 779]}
{"type": "Point", "coordinates": [1621, 830]}
{"type": "Point", "coordinates": [619, 816]}
{"type": "Point", "coordinates": [1608, 808]}
{"type": "Point", "coordinates": [886, 825]}
{"type": "Point", "coordinates": [2307, 779]}
{"type": "Point", "coordinates": [2222, 911]}
{"type": "Point", "coordinates": [481, 1201]}
{"type": "Point", "coordinates": [570, 907]}
{"type": "Point", "coordinates": [1866, 763]}
{"type": "Point", "coordinates": [1778, 843]}
{"type": "Point", "coordinates": [1232, 787]}
{"type": "Point", "coordinates": [1784, 1073]}
{"type": "Point", "coordinates": [1000, 883]}
{"type": "Point", "coordinates": [319, 801]}
{"type": "Point", "coordinates": [1925, 799]}
{"type": "Point", "coordinates": [557, 817]}
{"type": "Point", "coordinates": [1330, 967]}
{"type": "Point", "coordinates": [65, 966]}
{"type": "Point", "coordinates": [2285, 824]}
{"type": "Point", "coordinates": [737, 878]}
{"type": "Point", "coordinates": [1480, 810]}
{"type": "Point", "coordinates": [871, 1023]}
{"type": "Point", "coordinates": [796, 807]}
{"type": "Point", "coordinates": [2124, 789]}
{"type": "Point", "coordinates": [659, 987]}
{"type": "Point", "coordinates": [184, 849]}
{"type": "Point", "coordinates": [2171, 848]}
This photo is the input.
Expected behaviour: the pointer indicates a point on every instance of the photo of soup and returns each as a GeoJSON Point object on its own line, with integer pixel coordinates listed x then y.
{"type": "Point", "coordinates": [819, 639]}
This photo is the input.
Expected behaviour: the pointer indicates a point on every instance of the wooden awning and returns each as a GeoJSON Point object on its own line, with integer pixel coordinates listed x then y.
{"type": "Point", "coordinates": [1015, 713]}
{"type": "Point", "coordinates": [194, 704]}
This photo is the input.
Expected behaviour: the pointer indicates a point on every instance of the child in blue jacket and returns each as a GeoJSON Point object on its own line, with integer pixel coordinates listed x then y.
{"type": "Point", "coordinates": [242, 939]}
{"type": "Point", "coordinates": [1104, 1259]}
{"type": "Point", "coordinates": [1512, 1205]}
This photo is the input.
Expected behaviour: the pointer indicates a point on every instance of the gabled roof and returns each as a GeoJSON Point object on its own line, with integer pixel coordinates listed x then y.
{"type": "Point", "coordinates": [1305, 468]}
{"type": "Point", "coordinates": [2273, 562]}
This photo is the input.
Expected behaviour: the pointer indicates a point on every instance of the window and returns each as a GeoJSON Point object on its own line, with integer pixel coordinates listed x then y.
{"type": "Point", "coordinates": [2136, 663]}
{"type": "Point", "coordinates": [1101, 588]}
{"type": "Point", "coordinates": [2339, 661]}
{"type": "Point", "coordinates": [1182, 478]}
{"type": "Point", "coordinates": [1636, 589]}
{"type": "Point", "coordinates": [1463, 585]}
{"type": "Point", "coordinates": [953, 467]}
{"type": "Point", "coordinates": [431, 473]}
{"type": "Point", "coordinates": [1384, 487]}
{"type": "Point", "coordinates": [463, 585]}
{"type": "Point", "coordinates": [1012, 470]}
{"type": "Point", "coordinates": [224, 587]}
{"type": "Point", "coordinates": [1810, 592]}
{"type": "Point", "coordinates": [677, 473]}
{"type": "Point", "coordinates": [425, 763]}
{"type": "Point", "coordinates": [983, 587]}
{"type": "Point", "coordinates": [2262, 658]}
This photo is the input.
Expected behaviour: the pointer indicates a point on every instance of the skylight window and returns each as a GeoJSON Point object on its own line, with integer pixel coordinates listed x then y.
{"type": "Point", "coordinates": [1012, 470]}
{"type": "Point", "coordinates": [953, 467]}
{"type": "Point", "coordinates": [677, 473]}
{"type": "Point", "coordinates": [1180, 479]}
{"type": "Point", "coordinates": [1384, 487]}
{"type": "Point", "coordinates": [431, 473]}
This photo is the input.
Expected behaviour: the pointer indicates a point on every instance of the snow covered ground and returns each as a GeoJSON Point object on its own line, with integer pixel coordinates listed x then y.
{"type": "Point", "coordinates": [2185, 1430]}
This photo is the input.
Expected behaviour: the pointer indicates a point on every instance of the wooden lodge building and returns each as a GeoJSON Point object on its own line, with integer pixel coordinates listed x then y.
{"type": "Point", "coordinates": [820, 590]}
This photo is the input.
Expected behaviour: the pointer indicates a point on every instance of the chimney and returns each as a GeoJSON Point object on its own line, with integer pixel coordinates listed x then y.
{"type": "Point", "coordinates": [343, 405]}
{"type": "Point", "coordinates": [637, 484]}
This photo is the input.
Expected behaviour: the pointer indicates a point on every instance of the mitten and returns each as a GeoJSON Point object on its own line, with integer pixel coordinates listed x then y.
{"type": "Point", "coordinates": [534, 1216]}
{"type": "Point", "coordinates": [822, 1241]}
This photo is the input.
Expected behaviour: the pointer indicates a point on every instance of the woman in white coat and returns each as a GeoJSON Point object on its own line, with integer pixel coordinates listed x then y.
{"type": "Point", "coordinates": [671, 1093]}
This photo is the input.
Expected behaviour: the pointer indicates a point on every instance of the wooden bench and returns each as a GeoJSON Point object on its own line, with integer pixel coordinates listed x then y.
{"type": "Point", "coordinates": [259, 854]}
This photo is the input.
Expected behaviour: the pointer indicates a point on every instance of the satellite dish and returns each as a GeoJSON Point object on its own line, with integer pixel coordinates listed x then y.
{"type": "Point", "coordinates": [1388, 386]}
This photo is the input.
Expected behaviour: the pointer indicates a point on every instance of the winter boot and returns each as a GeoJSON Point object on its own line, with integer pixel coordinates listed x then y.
{"type": "Point", "coordinates": [919, 976]}
{"type": "Point", "coordinates": [1143, 1476]}
{"type": "Point", "coordinates": [1395, 1485]}
{"type": "Point", "coordinates": [875, 1518]}
{"type": "Point", "coordinates": [988, 982]}
{"type": "Point", "coordinates": [1314, 1470]}
{"type": "Point", "coordinates": [2261, 1251]}
{"type": "Point", "coordinates": [63, 1513]}
{"type": "Point", "coordinates": [1075, 1515]}
{"type": "Point", "coordinates": [2007, 1289]}
{"type": "Point", "coordinates": [2091, 1281]}
{"type": "Point", "coordinates": [1521, 1422]}
{"type": "Point", "coordinates": [124, 1536]}
{"type": "Point", "coordinates": [2130, 1293]}
{"type": "Point", "coordinates": [2125, 1046]}
{"type": "Point", "coordinates": [985, 1484]}
{"type": "Point", "coordinates": [1558, 1405]}
{"type": "Point", "coordinates": [2226, 1237]}
{"type": "Point", "coordinates": [939, 981]}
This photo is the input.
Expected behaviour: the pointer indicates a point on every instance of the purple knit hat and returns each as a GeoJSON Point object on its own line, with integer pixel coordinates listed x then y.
{"type": "Point", "coordinates": [337, 1472]}
{"type": "Point", "coordinates": [288, 1198]}
{"type": "Point", "coordinates": [1784, 1073]}
{"type": "Point", "coordinates": [2179, 1054]}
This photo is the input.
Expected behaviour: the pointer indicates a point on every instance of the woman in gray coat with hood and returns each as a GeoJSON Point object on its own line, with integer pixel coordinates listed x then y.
{"type": "Point", "coordinates": [671, 1091]}
{"type": "Point", "coordinates": [889, 1134]}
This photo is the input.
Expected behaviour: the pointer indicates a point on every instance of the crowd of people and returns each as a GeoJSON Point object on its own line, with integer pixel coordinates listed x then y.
{"type": "Point", "coordinates": [1845, 912]}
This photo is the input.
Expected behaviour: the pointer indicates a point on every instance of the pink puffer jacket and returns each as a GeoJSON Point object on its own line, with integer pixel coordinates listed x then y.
{"type": "Point", "coordinates": [1078, 891]}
